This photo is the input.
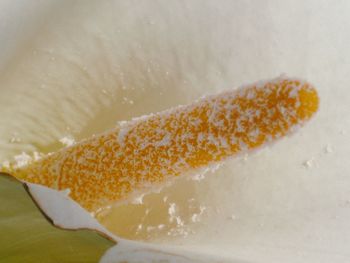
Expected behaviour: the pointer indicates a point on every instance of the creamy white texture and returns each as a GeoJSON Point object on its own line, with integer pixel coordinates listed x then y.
{"type": "Point", "coordinates": [74, 76]}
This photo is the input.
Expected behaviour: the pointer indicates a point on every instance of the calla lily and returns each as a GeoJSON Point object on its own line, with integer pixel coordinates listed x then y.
{"type": "Point", "coordinates": [92, 64]}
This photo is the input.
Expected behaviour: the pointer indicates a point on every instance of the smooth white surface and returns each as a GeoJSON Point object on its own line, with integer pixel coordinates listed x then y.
{"type": "Point", "coordinates": [62, 210]}
{"type": "Point", "coordinates": [19, 20]}
{"type": "Point", "coordinates": [144, 253]}
{"type": "Point", "coordinates": [288, 203]}
{"type": "Point", "coordinates": [67, 214]}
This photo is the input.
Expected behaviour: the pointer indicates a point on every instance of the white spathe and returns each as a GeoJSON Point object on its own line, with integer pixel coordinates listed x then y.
{"type": "Point", "coordinates": [98, 62]}
{"type": "Point", "coordinates": [67, 214]}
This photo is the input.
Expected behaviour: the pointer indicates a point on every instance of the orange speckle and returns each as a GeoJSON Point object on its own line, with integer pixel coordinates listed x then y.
{"type": "Point", "coordinates": [147, 151]}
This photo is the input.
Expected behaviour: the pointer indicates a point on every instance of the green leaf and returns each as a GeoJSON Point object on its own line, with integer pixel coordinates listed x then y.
{"type": "Point", "coordinates": [26, 236]}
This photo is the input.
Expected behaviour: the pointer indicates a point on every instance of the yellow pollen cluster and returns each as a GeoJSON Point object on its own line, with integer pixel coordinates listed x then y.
{"type": "Point", "coordinates": [150, 150]}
